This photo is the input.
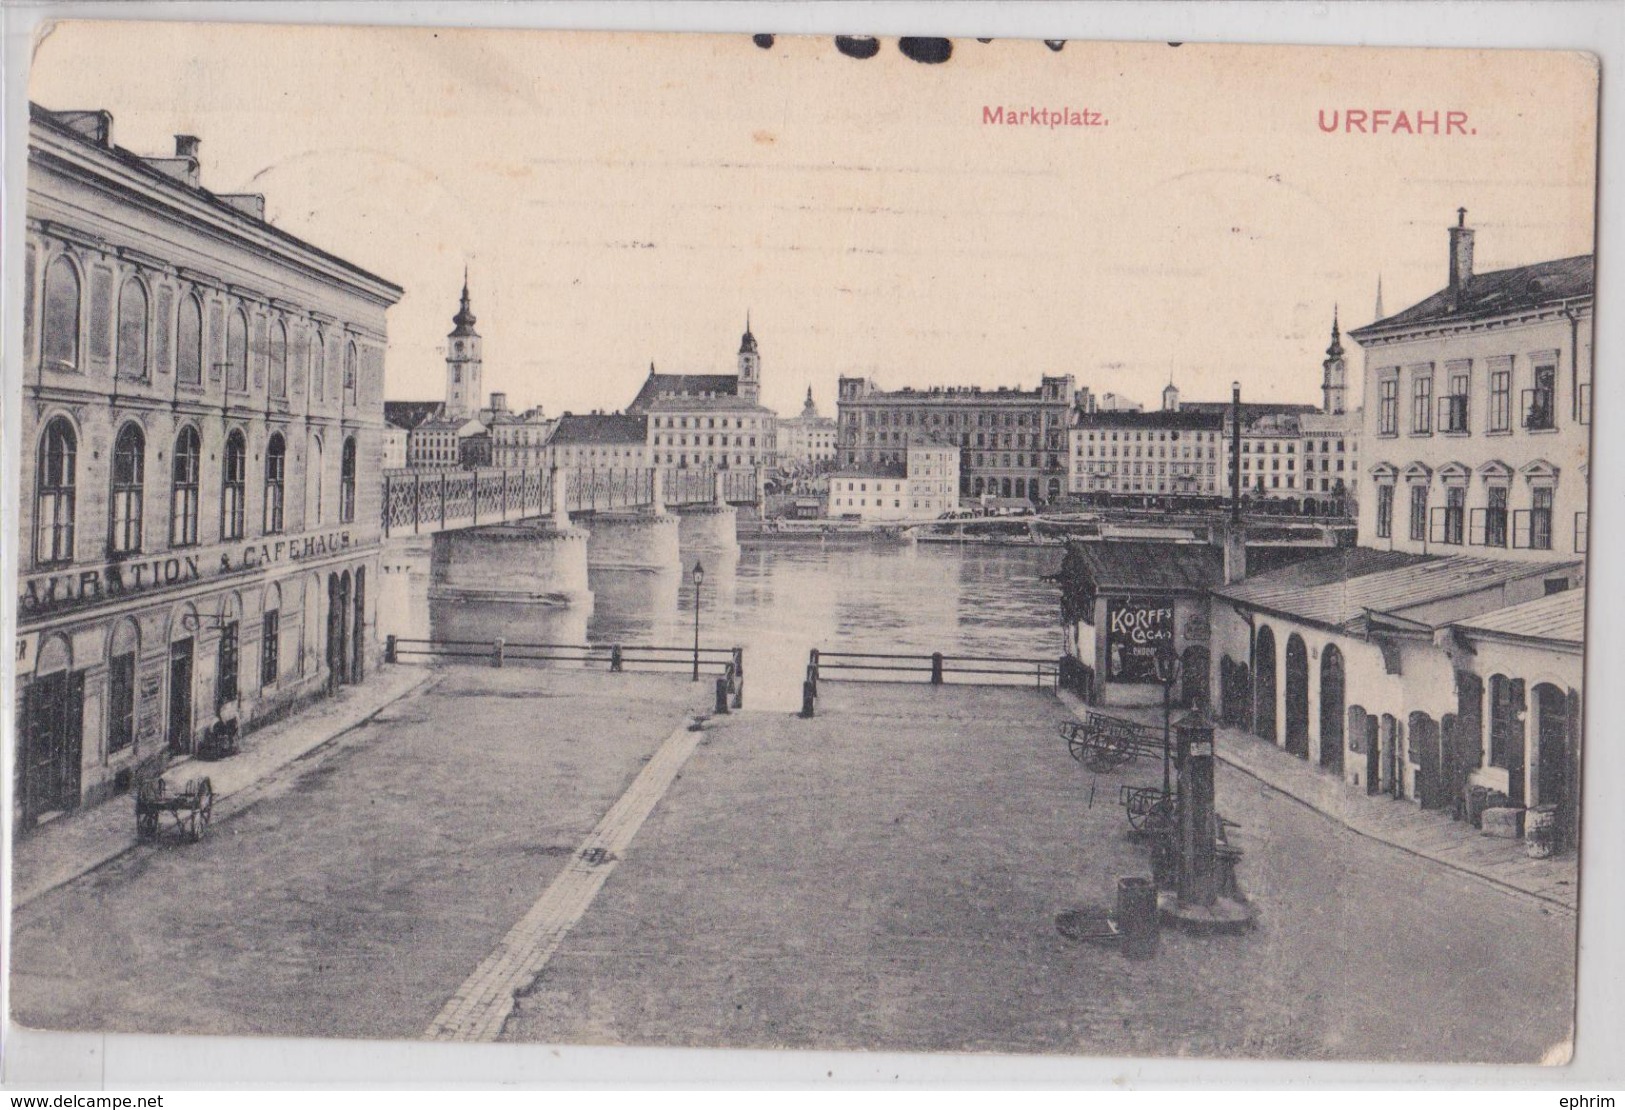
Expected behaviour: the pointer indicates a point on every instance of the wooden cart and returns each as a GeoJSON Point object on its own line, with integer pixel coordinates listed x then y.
{"type": "Point", "coordinates": [190, 809]}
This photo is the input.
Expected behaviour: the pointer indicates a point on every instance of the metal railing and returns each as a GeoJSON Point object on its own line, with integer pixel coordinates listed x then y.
{"type": "Point", "coordinates": [864, 666]}
{"type": "Point", "coordinates": [419, 501]}
{"type": "Point", "coordinates": [726, 664]}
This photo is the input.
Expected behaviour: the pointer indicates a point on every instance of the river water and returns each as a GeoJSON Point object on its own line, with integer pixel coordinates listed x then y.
{"type": "Point", "coordinates": [778, 601]}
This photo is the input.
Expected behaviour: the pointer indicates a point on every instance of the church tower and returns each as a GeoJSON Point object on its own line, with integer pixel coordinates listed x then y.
{"type": "Point", "coordinates": [463, 365]}
{"type": "Point", "coordinates": [750, 365]}
{"type": "Point", "coordinates": [1334, 380]}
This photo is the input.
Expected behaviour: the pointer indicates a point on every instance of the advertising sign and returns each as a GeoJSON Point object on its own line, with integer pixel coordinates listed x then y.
{"type": "Point", "coordinates": [1135, 628]}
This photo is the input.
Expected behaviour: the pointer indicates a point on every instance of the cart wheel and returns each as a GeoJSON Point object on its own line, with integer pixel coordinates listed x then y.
{"type": "Point", "coordinates": [1159, 817]}
{"type": "Point", "coordinates": [203, 808]}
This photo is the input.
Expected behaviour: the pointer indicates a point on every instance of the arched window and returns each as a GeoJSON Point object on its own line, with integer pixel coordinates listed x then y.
{"type": "Point", "coordinates": [189, 341]}
{"type": "Point", "coordinates": [54, 498]}
{"type": "Point", "coordinates": [183, 506]}
{"type": "Point", "coordinates": [279, 359]}
{"type": "Point", "coordinates": [318, 367]}
{"type": "Point", "coordinates": [59, 338]}
{"type": "Point", "coordinates": [233, 487]}
{"type": "Point", "coordinates": [132, 330]}
{"type": "Point", "coordinates": [271, 637]}
{"type": "Point", "coordinates": [129, 467]}
{"type": "Point", "coordinates": [237, 351]}
{"type": "Point", "coordinates": [317, 477]}
{"type": "Point", "coordinates": [121, 688]}
{"type": "Point", "coordinates": [276, 458]}
{"type": "Point", "coordinates": [349, 368]}
{"type": "Point", "coordinates": [347, 482]}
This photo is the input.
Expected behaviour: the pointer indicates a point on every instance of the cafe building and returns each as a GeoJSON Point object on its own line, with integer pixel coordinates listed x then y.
{"type": "Point", "coordinates": [202, 416]}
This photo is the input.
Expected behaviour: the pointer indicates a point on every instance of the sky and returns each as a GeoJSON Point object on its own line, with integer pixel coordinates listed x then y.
{"type": "Point", "coordinates": [622, 199]}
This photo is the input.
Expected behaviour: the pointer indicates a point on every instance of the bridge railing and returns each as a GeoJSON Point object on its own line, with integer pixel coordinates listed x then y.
{"type": "Point", "coordinates": [936, 668]}
{"type": "Point", "coordinates": [727, 665]}
{"type": "Point", "coordinates": [424, 501]}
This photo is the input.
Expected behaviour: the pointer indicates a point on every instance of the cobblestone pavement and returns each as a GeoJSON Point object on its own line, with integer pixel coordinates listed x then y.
{"type": "Point", "coordinates": [887, 876]}
{"type": "Point", "coordinates": [362, 885]}
{"type": "Point", "coordinates": [82, 841]}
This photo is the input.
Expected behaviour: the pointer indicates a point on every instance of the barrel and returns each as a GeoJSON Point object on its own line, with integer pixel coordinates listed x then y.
{"type": "Point", "coordinates": [1137, 917]}
{"type": "Point", "coordinates": [1540, 832]}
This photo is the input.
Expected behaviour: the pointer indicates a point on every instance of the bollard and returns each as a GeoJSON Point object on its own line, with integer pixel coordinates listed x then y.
{"type": "Point", "coordinates": [807, 698]}
{"type": "Point", "coordinates": [496, 652]}
{"type": "Point", "coordinates": [936, 668]}
{"type": "Point", "coordinates": [615, 658]}
{"type": "Point", "coordinates": [1137, 922]}
{"type": "Point", "coordinates": [389, 649]}
{"type": "Point", "coordinates": [722, 695]}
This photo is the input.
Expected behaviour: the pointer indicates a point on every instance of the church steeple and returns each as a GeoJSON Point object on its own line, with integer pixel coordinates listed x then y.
{"type": "Point", "coordinates": [464, 366]}
{"type": "Point", "coordinates": [750, 364]}
{"type": "Point", "coordinates": [1334, 376]}
{"type": "Point", "coordinates": [809, 409]}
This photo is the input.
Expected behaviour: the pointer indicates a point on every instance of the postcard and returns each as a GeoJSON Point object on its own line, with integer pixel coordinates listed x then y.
{"type": "Point", "coordinates": [751, 541]}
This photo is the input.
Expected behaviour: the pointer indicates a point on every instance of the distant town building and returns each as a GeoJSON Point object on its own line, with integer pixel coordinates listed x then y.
{"type": "Point", "coordinates": [709, 420]}
{"type": "Point", "coordinates": [518, 440]}
{"type": "Point", "coordinates": [807, 440]}
{"type": "Point", "coordinates": [1013, 442]}
{"type": "Point", "coordinates": [1478, 411]}
{"type": "Point", "coordinates": [923, 486]}
{"type": "Point", "coordinates": [202, 438]}
{"type": "Point", "coordinates": [394, 447]}
{"type": "Point", "coordinates": [598, 439]}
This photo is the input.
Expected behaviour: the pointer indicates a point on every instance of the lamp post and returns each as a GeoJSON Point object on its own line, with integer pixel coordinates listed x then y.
{"type": "Point", "coordinates": [699, 580]}
{"type": "Point", "coordinates": [1168, 668]}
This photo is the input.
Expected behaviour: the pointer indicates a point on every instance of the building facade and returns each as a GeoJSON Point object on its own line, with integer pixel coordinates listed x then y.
{"type": "Point", "coordinates": [710, 420]}
{"type": "Point", "coordinates": [807, 441]}
{"type": "Point", "coordinates": [922, 487]}
{"type": "Point", "coordinates": [202, 411]}
{"type": "Point", "coordinates": [1478, 411]}
{"type": "Point", "coordinates": [518, 439]}
{"type": "Point", "coordinates": [599, 440]}
{"type": "Point", "coordinates": [1166, 454]}
{"type": "Point", "coordinates": [1013, 442]}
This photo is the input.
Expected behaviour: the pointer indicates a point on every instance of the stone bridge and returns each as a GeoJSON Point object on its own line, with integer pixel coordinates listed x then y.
{"type": "Point", "coordinates": [531, 536]}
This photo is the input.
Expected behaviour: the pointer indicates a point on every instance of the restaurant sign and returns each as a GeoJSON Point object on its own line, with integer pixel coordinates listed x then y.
{"type": "Point", "coordinates": [73, 589]}
{"type": "Point", "coordinates": [1135, 628]}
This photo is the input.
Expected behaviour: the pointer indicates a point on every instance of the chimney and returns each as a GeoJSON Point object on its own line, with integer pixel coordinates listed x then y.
{"type": "Point", "coordinates": [499, 402]}
{"type": "Point", "coordinates": [1461, 253]}
{"type": "Point", "coordinates": [186, 146]}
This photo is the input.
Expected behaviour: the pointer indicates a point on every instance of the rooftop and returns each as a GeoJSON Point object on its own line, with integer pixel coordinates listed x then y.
{"type": "Point", "coordinates": [1560, 617]}
{"type": "Point", "coordinates": [1338, 589]}
{"type": "Point", "coordinates": [600, 428]}
{"type": "Point", "coordinates": [1142, 565]}
{"type": "Point", "coordinates": [411, 414]}
{"type": "Point", "coordinates": [1498, 293]}
{"type": "Point", "coordinates": [94, 130]}
{"type": "Point", "coordinates": [1184, 420]}
{"type": "Point", "coordinates": [656, 386]}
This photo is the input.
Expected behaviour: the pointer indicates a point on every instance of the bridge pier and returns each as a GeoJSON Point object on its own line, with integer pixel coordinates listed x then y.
{"type": "Point", "coordinates": [708, 528]}
{"type": "Point", "coordinates": [633, 541]}
{"type": "Point", "coordinates": [531, 562]}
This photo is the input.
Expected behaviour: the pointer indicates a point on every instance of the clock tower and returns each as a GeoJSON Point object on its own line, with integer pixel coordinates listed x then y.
{"type": "Point", "coordinates": [463, 366]}
{"type": "Point", "coordinates": [750, 364]}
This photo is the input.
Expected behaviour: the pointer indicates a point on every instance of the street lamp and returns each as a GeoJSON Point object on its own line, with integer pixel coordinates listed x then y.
{"type": "Point", "coordinates": [699, 580]}
{"type": "Point", "coordinates": [1168, 669]}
